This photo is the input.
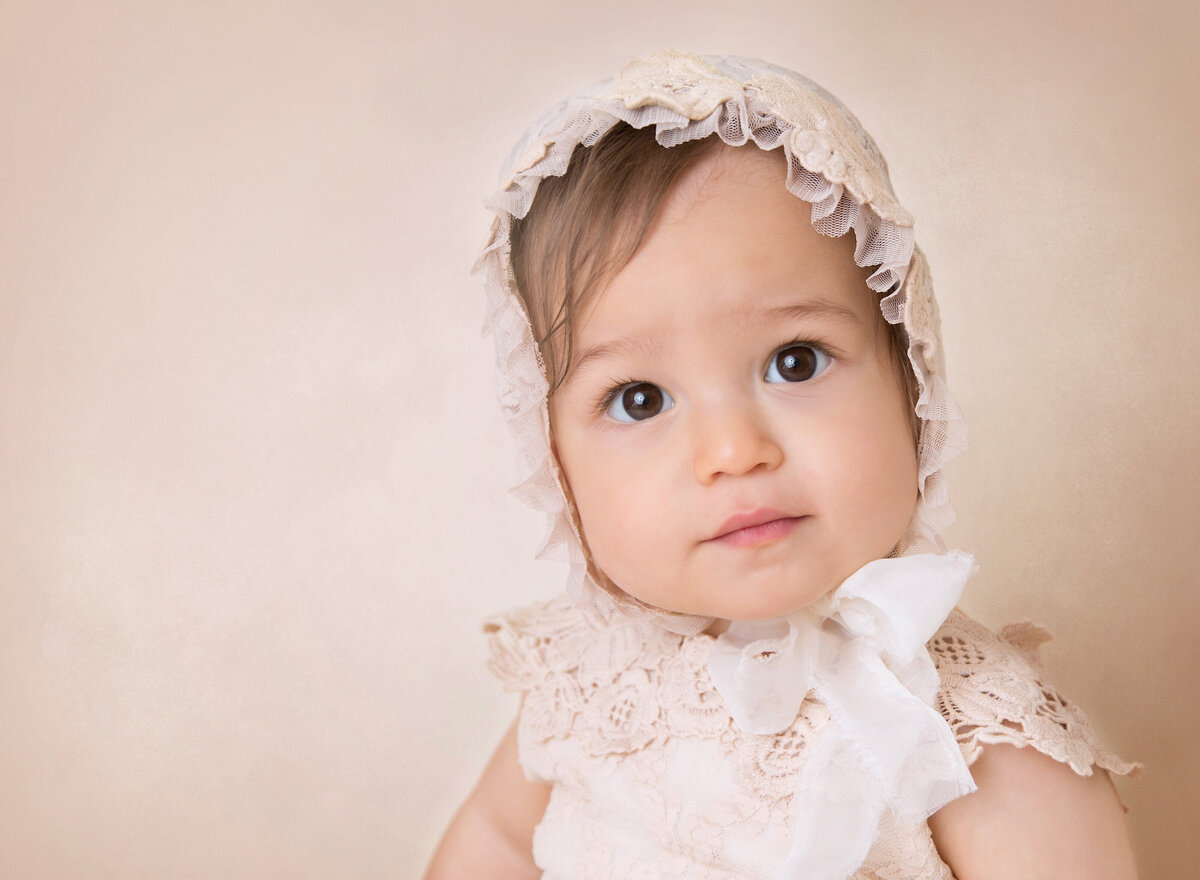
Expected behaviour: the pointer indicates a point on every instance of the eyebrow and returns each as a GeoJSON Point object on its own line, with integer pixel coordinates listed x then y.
{"type": "Point", "coordinates": [817, 308]}
{"type": "Point", "coordinates": [616, 348]}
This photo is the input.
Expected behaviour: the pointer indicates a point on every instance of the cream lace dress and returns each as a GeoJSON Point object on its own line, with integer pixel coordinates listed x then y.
{"type": "Point", "coordinates": [652, 777]}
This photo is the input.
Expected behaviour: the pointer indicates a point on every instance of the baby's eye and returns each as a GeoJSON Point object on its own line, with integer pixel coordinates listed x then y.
{"type": "Point", "coordinates": [638, 401]}
{"type": "Point", "coordinates": [796, 362]}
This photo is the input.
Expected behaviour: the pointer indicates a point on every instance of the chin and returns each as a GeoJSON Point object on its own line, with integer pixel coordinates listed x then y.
{"type": "Point", "coordinates": [784, 592]}
{"type": "Point", "coordinates": [764, 604]}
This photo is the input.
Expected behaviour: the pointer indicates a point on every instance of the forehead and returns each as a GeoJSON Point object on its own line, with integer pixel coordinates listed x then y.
{"type": "Point", "coordinates": [717, 174]}
{"type": "Point", "coordinates": [730, 242]}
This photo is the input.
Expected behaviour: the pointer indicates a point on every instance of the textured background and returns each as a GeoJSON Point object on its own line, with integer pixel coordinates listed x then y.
{"type": "Point", "coordinates": [252, 476]}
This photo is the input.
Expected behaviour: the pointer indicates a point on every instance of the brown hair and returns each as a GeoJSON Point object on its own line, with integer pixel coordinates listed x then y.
{"type": "Point", "coordinates": [585, 226]}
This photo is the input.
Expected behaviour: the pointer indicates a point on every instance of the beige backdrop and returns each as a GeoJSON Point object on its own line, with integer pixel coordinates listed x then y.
{"type": "Point", "coordinates": [252, 479]}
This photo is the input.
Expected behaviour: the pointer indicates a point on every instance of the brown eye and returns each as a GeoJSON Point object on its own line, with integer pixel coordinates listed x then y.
{"type": "Point", "coordinates": [639, 401]}
{"type": "Point", "coordinates": [796, 363]}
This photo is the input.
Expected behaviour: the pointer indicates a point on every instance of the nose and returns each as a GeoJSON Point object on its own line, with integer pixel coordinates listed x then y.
{"type": "Point", "coordinates": [733, 441]}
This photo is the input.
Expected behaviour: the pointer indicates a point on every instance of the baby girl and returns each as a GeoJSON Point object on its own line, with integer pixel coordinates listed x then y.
{"type": "Point", "coordinates": [720, 357]}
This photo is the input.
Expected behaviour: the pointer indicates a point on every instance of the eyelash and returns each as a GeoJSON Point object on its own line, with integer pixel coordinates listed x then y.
{"type": "Point", "coordinates": [826, 350]}
{"type": "Point", "coordinates": [606, 399]}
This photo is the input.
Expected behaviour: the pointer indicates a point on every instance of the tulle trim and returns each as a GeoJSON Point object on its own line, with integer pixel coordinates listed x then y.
{"type": "Point", "coordinates": [832, 164]}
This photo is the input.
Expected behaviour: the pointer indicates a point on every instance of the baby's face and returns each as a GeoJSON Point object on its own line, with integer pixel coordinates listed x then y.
{"type": "Point", "coordinates": [732, 430]}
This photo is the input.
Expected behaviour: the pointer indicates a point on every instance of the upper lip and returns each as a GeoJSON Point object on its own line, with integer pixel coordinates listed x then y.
{"type": "Point", "coordinates": [750, 518]}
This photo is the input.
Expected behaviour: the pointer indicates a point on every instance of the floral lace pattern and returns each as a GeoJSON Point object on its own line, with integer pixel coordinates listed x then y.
{"type": "Point", "coordinates": [653, 778]}
{"type": "Point", "coordinates": [683, 83]}
{"type": "Point", "coordinates": [991, 693]}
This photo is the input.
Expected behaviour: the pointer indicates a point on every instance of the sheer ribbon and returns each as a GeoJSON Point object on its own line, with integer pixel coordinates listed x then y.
{"type": "Point", "coordinates": [861, 651]}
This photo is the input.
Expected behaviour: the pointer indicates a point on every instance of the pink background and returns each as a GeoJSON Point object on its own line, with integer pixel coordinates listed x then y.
{"type": "Point", "coordinates": [252, 475]}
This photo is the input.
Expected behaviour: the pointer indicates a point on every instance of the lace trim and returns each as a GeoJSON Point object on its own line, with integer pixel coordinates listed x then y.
{"type": "Point", "coordinates": [994, 692]}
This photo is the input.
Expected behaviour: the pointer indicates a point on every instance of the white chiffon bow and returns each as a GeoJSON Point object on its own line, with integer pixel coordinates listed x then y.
{"type": "Point", "coordinates": [861, 651]}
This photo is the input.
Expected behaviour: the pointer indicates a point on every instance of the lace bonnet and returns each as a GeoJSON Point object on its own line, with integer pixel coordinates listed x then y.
{"type": "Point", "coordinates": [833, 164]}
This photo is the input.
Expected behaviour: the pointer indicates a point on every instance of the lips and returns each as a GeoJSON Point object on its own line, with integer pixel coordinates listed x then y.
{"type": "Point", "coordinates": [753, 528]}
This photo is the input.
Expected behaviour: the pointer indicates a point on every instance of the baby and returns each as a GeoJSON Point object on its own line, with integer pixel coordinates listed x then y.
{"type": "Point", "coordinates": [720, 356]}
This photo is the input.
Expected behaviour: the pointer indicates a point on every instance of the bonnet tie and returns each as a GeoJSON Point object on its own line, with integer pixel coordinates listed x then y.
{"type": "Point", "coordinates": [861, 651]}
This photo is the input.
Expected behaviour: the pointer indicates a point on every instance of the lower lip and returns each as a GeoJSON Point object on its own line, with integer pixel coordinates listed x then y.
{"type": "Point", "coordinates": [764, 533]}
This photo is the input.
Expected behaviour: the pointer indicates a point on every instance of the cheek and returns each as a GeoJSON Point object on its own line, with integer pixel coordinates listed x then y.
{"type": "Point", "coordinates": [895, 475]}
{"type": "Point", "coordinates": [895, 478]}
{"type": "Point", "coordinates": [622, 513]}
{"type": "Point", "coordinates": [623, 527]}
{"type": "Point", "coordinates": [874, 484]}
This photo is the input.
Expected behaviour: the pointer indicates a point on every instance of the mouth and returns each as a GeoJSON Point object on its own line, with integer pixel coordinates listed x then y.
{"type": "Point", "coordinates": [755, 528]}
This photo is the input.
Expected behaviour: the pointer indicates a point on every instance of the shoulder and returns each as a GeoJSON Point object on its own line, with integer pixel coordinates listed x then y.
{"type": "Point", "coordinates": [1034, 818]}
{"type": "Point", "coordinates": [591, 687]}
{"type": "Point", "coordinates": [518, 640]}
{"type": "Point", "coordinates": [554, 640]}
{"type": "Point", "coordinates": [993, 691]}
{"type": "Point", "coordinates": [1045, 808]}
